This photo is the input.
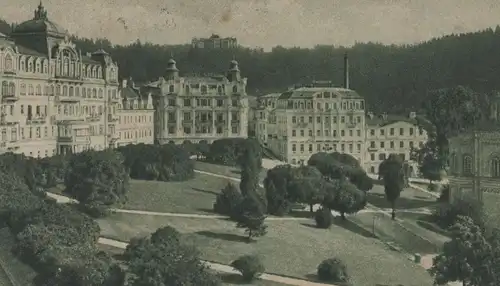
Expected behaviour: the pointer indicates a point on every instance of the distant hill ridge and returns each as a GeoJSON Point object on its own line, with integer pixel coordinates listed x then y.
{"type": "Point", "coordinates": [392, 78]}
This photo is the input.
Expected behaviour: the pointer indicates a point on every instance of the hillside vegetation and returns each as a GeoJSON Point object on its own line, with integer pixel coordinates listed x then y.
{"type": "Point", "coordinates": [395, 78]}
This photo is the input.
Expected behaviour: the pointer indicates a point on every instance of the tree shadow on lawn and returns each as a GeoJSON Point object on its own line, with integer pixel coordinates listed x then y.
{"type": "Point", "coordinates": [234, 279]}
{"type": "Point", "coordinates": [380, 201]}
{"type": "Point", "coordinates": [301, 214]}
{"type": "Point", "coordinates": [205, 191]}
{"type": "Point", "coordinates": [346, 224]}
{"type": "Point", "coordinates": [313, 277]}
{"type": "Point", "coordinates": [223, 236]}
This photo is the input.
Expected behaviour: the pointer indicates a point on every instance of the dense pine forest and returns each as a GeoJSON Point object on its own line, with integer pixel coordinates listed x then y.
{"type": "Point", "coordinates": [395, 78]}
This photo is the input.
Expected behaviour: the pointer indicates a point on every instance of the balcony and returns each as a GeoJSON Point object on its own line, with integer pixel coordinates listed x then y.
{"type": "Point", "coordinates": [113, 137]}
{"type": "Point", "coordinates": [10, 97]}
{"type": "Point", "coordinates": [300, 125]}
{"type": "Point", "coordinates": [93, 118]}
{"type": "Point", "coordinates": [66, 118]}
{"type": "Point", "coordinates": [61, 98]}
{"type": "Point", "coordinates": [8, 120]}
{"type": "Point", "coordinates": [79, 139]}
{"type": "Point", "coordinates": [36, 120]}
{"type": "Point", "coordinates": [235, 121]}
{"type": "Point", "coordinates": [113, 118]}
{"type": "Point", "coordinates": [187, 121]}
{"type": "Point", "coordinates": [372, 149]}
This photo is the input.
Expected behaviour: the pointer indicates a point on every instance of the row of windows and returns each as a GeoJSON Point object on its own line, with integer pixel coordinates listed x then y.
{"type": "Point", "coordinates": [326, 119]}
{"type": "Point", "coordinates": [202, 130]}
{"type": "Point", "coordinates": [9, 89]}
{"type": "Point", "coordinates": [135, 119]}
{"type": "Point", "coordinates": [392, 144]}
{"type": "Point", "coordinates": [302, 104]}
{"type": "Point", "coordinates": [326, 147]}
{"type": "Point", "coordinates": [467, 165]}
{"type": "Point", "coordinates": [65, 65]}
{"type": "Point", "coordinates": [327, 133]}
{"type": "Point", "coordinates": [203, 89]}
{"type": "Point", "coordinates": [383, 156]}
{"type": "Point", "coordinates": [202, 116]}
{"type": "Point", "coordinates": [203, 102]}
{"type": "Point", "coordinates": [137, 133]}
{"type": "Point", "coordinates": [391, 131]}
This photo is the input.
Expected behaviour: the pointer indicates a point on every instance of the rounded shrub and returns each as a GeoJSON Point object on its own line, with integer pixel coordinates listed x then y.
{"type": "Point", "coordinates": [323, 218]}
{"type": "Point", "coordinates": [249, 266]}
{"type": "Point", "coordinates": [332, 270]}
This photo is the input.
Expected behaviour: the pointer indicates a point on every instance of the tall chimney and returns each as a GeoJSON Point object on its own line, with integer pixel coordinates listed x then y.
{"type": "Point", "coordinates": [346, 71]}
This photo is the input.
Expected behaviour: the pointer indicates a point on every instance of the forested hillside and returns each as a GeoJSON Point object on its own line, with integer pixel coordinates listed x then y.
{"type": "Point", "coordinates": [394, 78]}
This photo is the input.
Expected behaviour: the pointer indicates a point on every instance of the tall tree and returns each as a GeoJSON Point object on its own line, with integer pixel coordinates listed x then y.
{"type": "Point", "coordinates": [392, 172]}
{"type": "Point", "coordinates": [250, 162]}
{"type": "Point", "coordinates": [344, 197]}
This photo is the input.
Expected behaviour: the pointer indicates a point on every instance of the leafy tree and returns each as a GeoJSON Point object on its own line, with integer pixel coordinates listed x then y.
{"type": "Point", "coordinates": [97, 177]}
{"type": "Point", "coordinates": [250, 267]}
{"type": "Point", "coordinates": [251, 217]}
{"type": "Point", "coordinates": [309, 190]}
{"type": "Point", "coordinates": [466, 258]}
{"type": "Point", "coordinates": [446, 214]}
{"type": "Point", "coordinates": [228, 201]}
{"type": "Point", "coordinates": [344, 197]}
{"type": "Point", "coordinates": [163, 260]}
{"type": "Point", "coordinates": [393, 176]}
{"type": "Point", "coordinates": [276, 185]}
{"type": "Point", "coordinates": [202, 148]}
{"type": "Point", "coordinates": [332, 270]}
{"type": "Point", "coordinates": [323, 218]}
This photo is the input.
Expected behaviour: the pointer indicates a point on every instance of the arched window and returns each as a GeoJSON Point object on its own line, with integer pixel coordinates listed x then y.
{"type": "Point", "coordinates": [65, 91]}
{"type": "Point", "coordinates": [31, 90]}
{"type": "Point", "coordinates": [101, 93]}
{"type": "Point", "coordinates": [114, 94]}
{"type": "Point", "coordinates": [8, 64]}
{"type": "Point", "coordinates": [235, 89]}
{"type": "Point", "coordinates": [203, 89]}
{"type": "Point", "coordinates": [77, 91]}
{"type": "Point", "coordinates": [71, 91]}
{"type": "Point", "coordinates": [89, 73]}
{"type": "Point", "coordinates": [66, 66]}
{"type": "Point", "coordinates": [51, 90]}
{"type": "Point", "coordinates": [467, 165]}
{"type": "Point", "coordinates": [22, 64]}
{"type": "Point", "coordinates": [94, 93]}
{"type": "Point", "coordinates": [5, 88]}
{"type": "Point", "coordinates": [84, 71]}
{"type": "Point", "coordinates": [45, 66]}
{"type": "Point", "coordinates": [58, 90]}
{"type": "Point", "coordinates": [219, 89]}
{"type": "Point", "coordinates": [187, 89]}
{"type": "Point", "coordinates": [38, 90]}
{"type": "Point", "coordinates": [23, 89]}
{"type": "Point", "coordinates": [495, 167]}
{"type": "Point", "coordinates": [30, 65]}
{"type": "Point", "coordinates": [171, 88]}
{"type": "Point", "coordinates": [99, 72]}
{"type": "Point", "coordinates": [84, 92]}
{"type": "Point", "coordinates": [38, 67]}
{"type": "Point", "coordinates": [46, 90]}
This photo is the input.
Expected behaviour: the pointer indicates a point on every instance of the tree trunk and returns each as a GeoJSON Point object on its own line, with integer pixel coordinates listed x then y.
{"type": "Point", "coordinates": [249, 235]}
{"type": "Point", "coordinates": [342, 215]}
{"type": "Point", "coordinates": [311, 208]}
{"type": "Point", "coordinates": [393, 213]}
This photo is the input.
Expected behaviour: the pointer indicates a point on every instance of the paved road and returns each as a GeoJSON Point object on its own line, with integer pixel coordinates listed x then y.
{"type": "Point", "coordinates": [228, 269]}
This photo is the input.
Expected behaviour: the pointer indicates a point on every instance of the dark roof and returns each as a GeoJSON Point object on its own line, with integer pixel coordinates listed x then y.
{"type": "Point", "coordinates": [27, 51]}
{"type": "Point", "coordinates": [40, 26]}
{"type": "Point", "coordinates": [378, 120]}
{"type": "Point", "coordinates": [130, 92]}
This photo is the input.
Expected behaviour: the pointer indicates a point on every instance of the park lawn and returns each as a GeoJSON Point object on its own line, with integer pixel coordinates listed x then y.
{"type": "Point", "coordinates": [22, 273]}
{"type": "Point", "coordinates": [195, 196]}
{"type": "Point", "coordinates": [409, 199]}
{"type": "Point", "coordinates": [290, 247]}
{"type": "Point", "coordinates": [229, 171]}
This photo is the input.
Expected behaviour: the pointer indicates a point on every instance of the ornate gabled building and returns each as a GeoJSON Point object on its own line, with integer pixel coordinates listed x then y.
{"type": "Point", "coordinates": [195, 108]}
{"type": "Point", "coordinates": [54, 99]}
{"type": "Point", "coordinates": [135, 116]}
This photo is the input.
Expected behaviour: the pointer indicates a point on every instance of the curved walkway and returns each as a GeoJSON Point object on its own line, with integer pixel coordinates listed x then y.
{"type": "Point", "coordinates": [228, 269]}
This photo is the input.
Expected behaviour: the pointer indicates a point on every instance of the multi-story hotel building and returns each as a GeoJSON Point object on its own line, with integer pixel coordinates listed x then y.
{"type": "Point", "coordinates": [214, 42]}
{"type": "Point", "coordinates": [199, 108]}
{"type": "Point", "coordinates": [135, 116]}
{"type": "Point", "coordinates": [54, 99]}
{"type": "Point", "coordinates": [392, 134]}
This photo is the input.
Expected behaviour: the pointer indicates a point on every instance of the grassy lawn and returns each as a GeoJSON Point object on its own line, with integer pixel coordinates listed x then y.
{"type": "Point", "coordinates": [195, 196]}
{"type": "Point", "coordinates": [409, 199]}
{"type": "Point", "coordinates": [224, 170]}
{"type": "Point", "coordinates": [290, 248]}
{"type": "Point", "coordinates": [22, 273]}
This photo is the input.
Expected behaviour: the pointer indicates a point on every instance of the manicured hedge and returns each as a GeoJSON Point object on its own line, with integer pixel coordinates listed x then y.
{"type": "Point", "coordinates": [228, 151]}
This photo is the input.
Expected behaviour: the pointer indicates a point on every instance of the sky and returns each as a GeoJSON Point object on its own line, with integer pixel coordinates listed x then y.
{"type": "Point", "coordinates": [263, 23]}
